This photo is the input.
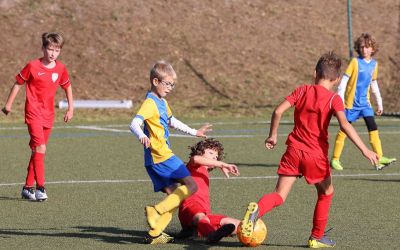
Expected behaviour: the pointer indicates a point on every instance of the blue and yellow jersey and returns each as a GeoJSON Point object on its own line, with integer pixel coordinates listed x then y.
{"type": "Point", "coordinates": [361, 74]}
{"type": "Point", "coordinates": [155, 114]}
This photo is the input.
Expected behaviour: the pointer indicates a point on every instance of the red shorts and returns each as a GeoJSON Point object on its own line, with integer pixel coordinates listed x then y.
{"type": "Point", "coordinates": [39, 135]}
{"type": "Point", "coordinates": [295, 162]}
{"type": "Point", "coordinates": [187, 214]}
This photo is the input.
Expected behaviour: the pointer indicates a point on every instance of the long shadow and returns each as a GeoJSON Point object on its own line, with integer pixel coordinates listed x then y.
{"type": "Point", "coordinates": [375, 180]}
{"type": "Point", "coordinates": [282, 245]}
{"type": "Point", "coordinates": [94, 233]}
{"type": "Point", "coordinates": [5, 198]}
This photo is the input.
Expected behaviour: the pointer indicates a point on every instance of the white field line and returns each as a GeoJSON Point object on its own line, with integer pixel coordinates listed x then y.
{"type": "Point", "coordinates": [212, 178]}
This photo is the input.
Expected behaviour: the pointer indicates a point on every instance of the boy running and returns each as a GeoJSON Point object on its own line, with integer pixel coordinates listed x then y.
{"type": "Point", "coordinates": [358, 81]}
{"type": "Point", "coordinates": [307, 148]}
{"type": "Point", "coordinates": [42, 77]}
{"type": "Point", "coordinates": [167, 172]}
{"type": "Point", "coordinates": [195, 211]}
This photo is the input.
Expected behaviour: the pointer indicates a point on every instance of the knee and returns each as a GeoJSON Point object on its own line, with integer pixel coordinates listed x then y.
{"type": "Point", "coordinates": [41, 149]}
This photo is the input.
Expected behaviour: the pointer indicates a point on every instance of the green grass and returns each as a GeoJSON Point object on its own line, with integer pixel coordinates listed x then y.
{"type": "Point", "coordinates": [109, 215]}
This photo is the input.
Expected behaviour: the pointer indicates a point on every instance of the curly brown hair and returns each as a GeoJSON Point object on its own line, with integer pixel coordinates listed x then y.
{"type": "Point", "coordinates": [210, 143]}
{"type": "Point", "coordinates": [366, 39]}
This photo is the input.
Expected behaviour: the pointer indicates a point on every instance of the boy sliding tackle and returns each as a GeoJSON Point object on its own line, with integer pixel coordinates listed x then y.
{"type": "Point", "coordinates": [167, 172]}
{"type": "Point", "coordinates": [195, 211]}
{"type": "Point", "coordinates": [307, 148]}
{"type": "Point", "coordinates": [358, 81]}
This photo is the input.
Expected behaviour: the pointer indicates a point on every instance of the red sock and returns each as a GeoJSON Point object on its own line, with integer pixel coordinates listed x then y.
{"type": "Point", "coordinates": [204, 227]}
{"type": "Point", "coordinates": [38, 166]}
{"type": "Point", "coordinates": [30, 177]}
{"type": "Point", "coordinates": [321, 214]}
{"type": "Point", "coordinates": [268, 202]}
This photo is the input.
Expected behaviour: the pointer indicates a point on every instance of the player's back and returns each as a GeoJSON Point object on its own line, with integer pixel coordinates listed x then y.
{"type": "Point", "coordinates": [314, 107]}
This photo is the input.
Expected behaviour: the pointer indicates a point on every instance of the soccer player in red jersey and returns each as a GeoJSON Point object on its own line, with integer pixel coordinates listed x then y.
{"type": "Point", "coordinates": [307, 148]}
{"type": "Point", "coordinates": [42, 77]}
{"type": "Point", "coordinates": [195, 211]}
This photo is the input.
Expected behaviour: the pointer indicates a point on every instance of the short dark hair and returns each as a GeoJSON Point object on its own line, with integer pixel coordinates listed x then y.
{"type": "Point", "coordinates": [53, 38]}
{"type": "Point", "coordinates": [366, 39]}
{"type": "Point", "coordinates": [210, 143]}
{"type": "Point", "coordinates": [328, 66]}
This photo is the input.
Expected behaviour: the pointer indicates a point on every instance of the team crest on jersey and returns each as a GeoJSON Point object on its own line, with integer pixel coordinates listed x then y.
{"type": "Point", "coordinates": [54, 77]}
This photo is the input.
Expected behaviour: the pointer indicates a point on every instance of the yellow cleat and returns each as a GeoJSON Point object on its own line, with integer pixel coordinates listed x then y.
{"type": "Point", "coordinates": [152, 216]}
{"type": "Point", "coordinates": [336, 164]}
{"type": "Point", "coordinates": [163, 238]}
{"type": "Point", "coordinates": [249, 220]}
{"type": "Point", "coordinates": [324, 242]}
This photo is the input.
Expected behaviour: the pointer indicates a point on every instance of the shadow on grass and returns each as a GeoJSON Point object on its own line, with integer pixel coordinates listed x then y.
{"type": "Point", "coordinates": [13, 198]}
{"type": "Point", "coordinates": [377, 180]}
{"type": "Point", "coordinates": [281, 245]}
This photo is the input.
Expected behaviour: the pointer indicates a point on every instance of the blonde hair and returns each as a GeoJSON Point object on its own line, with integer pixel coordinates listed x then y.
{"type": "Point", "coordinates": [365, 39]}
{"type": "Point", "coordinates": [52, 38]}
{"type": "Point", "coordinates": [160, 70]}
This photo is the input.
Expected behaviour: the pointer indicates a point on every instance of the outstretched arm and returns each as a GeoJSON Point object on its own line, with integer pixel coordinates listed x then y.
{"type": "Point", "coordinates": [226, 168]}
{"type": "Point", "coordinates": [348, 129]}
{"type": "Point", "coordinates": [11, 97]}
{"type": "Point", "coordinates": [70, 111]}
{"type": "Point", "coordinates": [272, 139]}
{"type": "Point", "coordinates": [178, 125]}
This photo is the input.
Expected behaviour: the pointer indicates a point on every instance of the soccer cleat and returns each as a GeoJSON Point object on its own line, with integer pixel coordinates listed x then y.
{"type": "Point", "coordinates": [324, 242]}
{"type": "Point", "coordinates": [40, 194]}
{"type": "Point", "coordinates": [336, 164]}
{"type": "Point", "coordinates": [384, 162]}
{"type": "Point", "coordinates": [152, 216]}
{"type": "Point", "coordinates": [223, 231]}
{"type": "Point", "coordinates": [28, 193]}
{"type": "Point", "coordinates": [163, 238]}
{"type": "Point", "coordinates": [249, 220]}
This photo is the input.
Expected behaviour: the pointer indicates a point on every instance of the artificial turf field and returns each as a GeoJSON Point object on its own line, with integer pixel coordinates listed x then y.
{"type": "Point", "coordinates": [98, 187]}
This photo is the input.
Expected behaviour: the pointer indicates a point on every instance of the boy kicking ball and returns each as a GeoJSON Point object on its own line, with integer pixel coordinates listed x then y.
{"type": "Point", "coordinates": [307, 148]}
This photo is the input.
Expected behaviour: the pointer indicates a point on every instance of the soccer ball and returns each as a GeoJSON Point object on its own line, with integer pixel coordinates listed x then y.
{"type": "Point", "coordinates": [257, 238]}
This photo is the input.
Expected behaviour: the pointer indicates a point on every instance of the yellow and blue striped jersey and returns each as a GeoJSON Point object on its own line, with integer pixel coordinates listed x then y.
{"type": "Point", "coordinates": [155, 114]}
{"type": "Point", "coordinates": [361, 73]}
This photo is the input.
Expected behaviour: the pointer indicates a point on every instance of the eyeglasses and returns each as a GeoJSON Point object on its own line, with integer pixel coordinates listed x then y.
{"type": "Point", "coordinates": [168, 84]}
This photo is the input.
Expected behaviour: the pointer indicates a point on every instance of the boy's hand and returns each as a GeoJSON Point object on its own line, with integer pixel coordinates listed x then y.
{"type": "Point", "coordinates": [379, 112]}
{"type": "Point", "coordinates": [230, 169]}
{"type": "Point", "coordinates": [270, 142]}
{"type": "Point", "coordinates": [68, 115]}
{"type": "Point", "coordinates": [145, 141]}
{"type": "Point", "coordinates": [6, 110]}
{"type": "Point", "coordinates": [372, 157]}
{"type": "Point", "coordinates": [201, 132]}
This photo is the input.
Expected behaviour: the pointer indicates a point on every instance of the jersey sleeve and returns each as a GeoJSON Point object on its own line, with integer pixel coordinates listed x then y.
{"type": "Point", "coordinates": [147, 110]}
{"type": "Point", "coordinates": [375, 73]}
{"type": "Point", "coordinates": [352, 66]}
{"type": "Point", "coordinates": [295, 95]}
{"type": "Point", "coordinates": [64, 80]}
{"type": "Point", "coordinates": [23, 76]}
{"type": "Point", "coordinates": [337, 103]}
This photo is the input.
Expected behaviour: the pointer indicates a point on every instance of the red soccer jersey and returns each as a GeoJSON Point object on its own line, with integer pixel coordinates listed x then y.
{"type": "Point", "coordinates": [202, 196]}
{"type": "Point", "coordinates": [41, 86]}
{"type": "Point", "coordinates": [314, 107]}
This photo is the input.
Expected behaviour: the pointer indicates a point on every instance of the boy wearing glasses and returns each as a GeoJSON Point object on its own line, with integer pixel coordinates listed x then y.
{"type": "Point", "coordinates": [167, 172]}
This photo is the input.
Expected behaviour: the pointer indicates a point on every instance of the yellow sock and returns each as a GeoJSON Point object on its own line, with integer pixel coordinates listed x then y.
{"type": "Point", "coordinates": [375, 142]}
{"type": "Point", "coordinates": [339, 145]}
{"type": "Point", "coordinates": [173, 200]}
{"type": "Point", "coordinates": [162, 223]}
